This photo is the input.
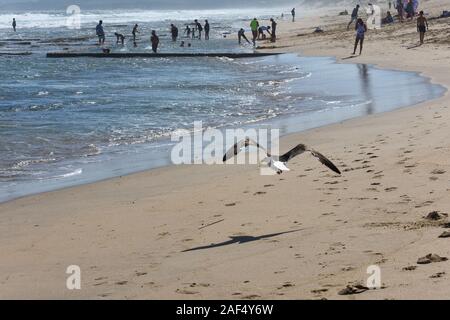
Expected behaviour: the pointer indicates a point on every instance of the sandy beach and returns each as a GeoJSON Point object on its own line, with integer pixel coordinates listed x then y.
{"type": "Point", "coordinates": [306, 234]}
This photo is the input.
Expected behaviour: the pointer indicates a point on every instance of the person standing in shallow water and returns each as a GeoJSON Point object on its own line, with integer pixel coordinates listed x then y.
{"type": "Point", "coordinates": [154, 39]}
{"type": "Point", "coordinates": [199, 28]}
{"type": "Point", "coordinates": [274, 29]}
{"type": "Point", "coordinates": [14, 24]}
{"type": "Point", "coordinates": [361, 30]}
{"type": "Point", "coordinates": [100, 33]}
{"type": "Point", "coordinates": [293, 14]}
{"type": "Point", "coordinates": [206, 30]}
{"type": "Point", "coordinates": [120, 38]}
{"type": "Point", "coordinates": [135, 30]}
{"type": "Point", "coordinates": [241, 35]}
{"type": "Point", "coordinates": [422, 26]}
{"type": "Point", "coordinates": [254, 26]}
{"type": "Point", "coordinates": [174, 32]}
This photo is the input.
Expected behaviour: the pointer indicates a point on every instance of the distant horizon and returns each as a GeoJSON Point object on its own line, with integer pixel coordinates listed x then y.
{"type": "Point", "coordinates": [48, 5]}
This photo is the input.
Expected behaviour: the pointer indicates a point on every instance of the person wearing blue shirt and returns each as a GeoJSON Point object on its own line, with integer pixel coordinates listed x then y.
{"type": "Point", "coordinates": [100, 33]}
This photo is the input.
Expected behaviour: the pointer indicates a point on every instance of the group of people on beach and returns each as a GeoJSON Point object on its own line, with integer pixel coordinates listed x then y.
{"type": "Point", "coordinates": [154, 39]}
{"type": "Point", "coordinates": [258, 32]}
{"type": "Point", "coordinates": [409, 7]}
{"type": "Point", "coordinates": [191, 30]}
{"type": "Point", "coordinates": [194, 31]}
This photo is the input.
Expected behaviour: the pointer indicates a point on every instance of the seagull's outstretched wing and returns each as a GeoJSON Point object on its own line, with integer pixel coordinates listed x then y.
{"type": "Point", "coordinates": [234, 150]}
{"type": "Point", "coordinates": [325, 161]}
{"type": "Point", "coordinates": [298, 150]}
{"type": "Point", "coordinates": [301, 148]}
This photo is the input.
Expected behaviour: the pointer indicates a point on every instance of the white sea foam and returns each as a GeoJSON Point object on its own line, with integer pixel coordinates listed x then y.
{"type": "Point", "coordinates": [58, 19]}
{"type": "Point", "coordinates": [71, 174]}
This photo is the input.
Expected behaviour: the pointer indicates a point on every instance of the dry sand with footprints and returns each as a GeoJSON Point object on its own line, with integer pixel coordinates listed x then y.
{"type": "Point", "coordinates": [225, 232]}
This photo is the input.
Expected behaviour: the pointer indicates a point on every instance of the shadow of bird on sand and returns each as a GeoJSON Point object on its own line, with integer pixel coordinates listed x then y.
{"type": "Point", "coordinates": [240, 240]}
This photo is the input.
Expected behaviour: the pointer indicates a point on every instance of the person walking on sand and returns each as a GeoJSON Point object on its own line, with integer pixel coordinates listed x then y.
{"type": "Point", "coordinates": [273, 31]}
{"type": "Point", "coordinates": [361, 30]}
{"type": "Point", "coordinates": [241, 35]}
{"type": "Point", "coordinates": [293, 14]}
{"type": "Point", "coordinates": [154, 39]}
{"type": "Point", "coordinates": [100, 33]}
{"type": "Point", "coordinates": [14, 24]}
{"type": "Point", "coordinates": [135, 30]}
{"type": "Point", "coordinates": [174, 32]}
{"type": "Point", "coordinates": [354, 16]}
{"type": "Point", "coordinates": [206, 30]}
{"type": "Point", "coordinates": [254, 26]}
{"type": "Point", "coordinates": [422, 26]}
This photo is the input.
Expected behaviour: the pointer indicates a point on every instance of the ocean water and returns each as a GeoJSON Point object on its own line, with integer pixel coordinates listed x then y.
{"type": "Point", "coordinates": [70, 121]}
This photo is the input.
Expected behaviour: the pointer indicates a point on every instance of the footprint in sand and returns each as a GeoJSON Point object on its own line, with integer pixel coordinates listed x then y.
{"type": "Point", "coordinates": [184, 291]}
{"type": "Point", "coordinates": [435, 216]}
{"type": "Point", "coordinates": [194, 284]}
{"type": "Point", "coordinates": [424, 204]}
{"type": "Point", "coordinates": [430, 258]}
{"type": "Point", "coordinates": [286, 285]}
{"type": "Point", "coordinates": [437, 275]}
{"type": "Point", "coordinates": [319, 291]}
{"type": "Point", "coordinates": [438, 171]}
{"type": "Point", "coordinates": [259, 193]}
{"type": "Point", "coordinates": [121, 283]}
{"type": "Point", "coordinates": [348, 268]}
{"type": "Point", "coordinates": [445, 234]}
{"type": "Point", "coordinates": [390, 189]}
{"type": "Point", "coordinates": [268, 185]}
{"type": "Point", "coordinates": [230, 204]}
{"type": "Point", "coordinates": [409, 268]}
{"type": "Point", "coordinates": [100, 283]}
{"type": "Point", "coordinates": [356, 289]}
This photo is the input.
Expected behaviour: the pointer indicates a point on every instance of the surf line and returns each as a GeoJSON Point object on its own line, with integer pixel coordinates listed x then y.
{"type": "Point", "coordinates": [157, 55]}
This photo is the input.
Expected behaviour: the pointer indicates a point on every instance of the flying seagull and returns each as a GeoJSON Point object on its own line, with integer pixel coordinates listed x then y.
{"type": "Point", "coordinates": [278, 163]}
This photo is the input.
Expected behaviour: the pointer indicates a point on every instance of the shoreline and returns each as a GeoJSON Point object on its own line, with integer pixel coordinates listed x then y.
{"type": "Point", "coordinates": [225, 232]}
{"type": "Point", "coordinates": [57, 184]}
